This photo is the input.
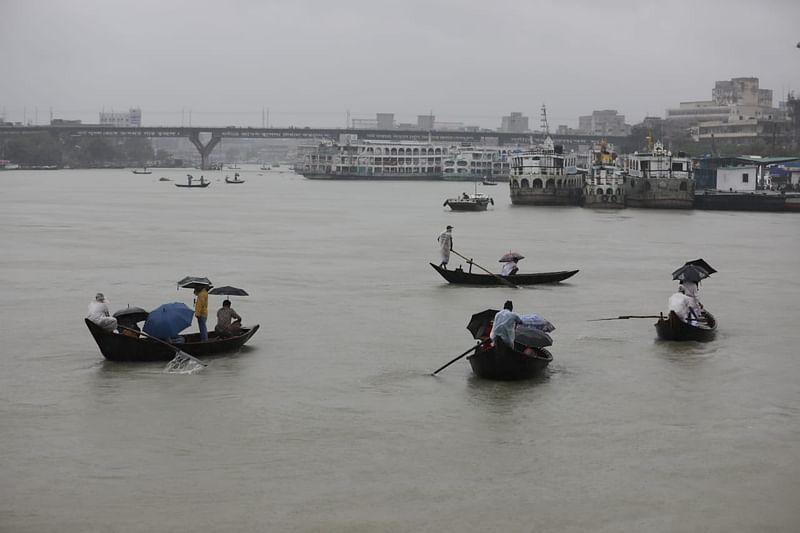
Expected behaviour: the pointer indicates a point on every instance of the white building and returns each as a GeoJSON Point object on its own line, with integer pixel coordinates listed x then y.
{"type": "Point", "coordinates": [129, 119]}
{"type": "Point", "coordinates": [737, 178]}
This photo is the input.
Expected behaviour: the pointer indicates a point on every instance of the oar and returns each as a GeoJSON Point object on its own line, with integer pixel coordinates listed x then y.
{"type": "Point", "coordinates": [178, 351]}
{"type": "Point", "coordinates": [624, 317]}
{"type": "Point", "coordinates": [504, 280]}
{"type": "Point", "coordinates": [456, 359]}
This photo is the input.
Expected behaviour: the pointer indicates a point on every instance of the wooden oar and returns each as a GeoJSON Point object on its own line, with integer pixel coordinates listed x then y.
{"type": "Point", "coordinates": [502, 279]}
{"type": "Point", "coordinates": [624, 317]}
{"type": "Point", "coordinates": [178, 351]}
{"type": "Point", "coordinates": [456, 359]}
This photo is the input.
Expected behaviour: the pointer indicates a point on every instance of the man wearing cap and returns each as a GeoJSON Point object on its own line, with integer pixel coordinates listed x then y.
{"type": "Point", "coordinates": [446, 244]}
{"type": "Point", "coordinates": [98, 313]}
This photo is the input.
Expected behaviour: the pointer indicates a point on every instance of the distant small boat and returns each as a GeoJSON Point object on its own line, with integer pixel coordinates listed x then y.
{"type": "Point", "coordinates": [189, 183]}
{"type": "Point", "coordinates": [143, 171]}
{"type": "Point", "coordinates": [487, 181]}
{"type": "Point", "coordinates": [164, 179]}
{"type": "Point", "coordinates": [234, 180]}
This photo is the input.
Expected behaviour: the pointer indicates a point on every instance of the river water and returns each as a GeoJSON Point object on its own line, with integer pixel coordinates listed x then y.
{"type": "Point", "coordinates": [329, 420]}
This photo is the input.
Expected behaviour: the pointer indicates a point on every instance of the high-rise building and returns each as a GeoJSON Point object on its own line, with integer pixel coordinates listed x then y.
{"type": "Point", "coordinates": [426, 122]}
{"type": "Point", "coordinates": [516, 122]}
{"type": "Point", "coordinates": [605, 122]}
{"type": "Point", "coordinates": [385, 121]}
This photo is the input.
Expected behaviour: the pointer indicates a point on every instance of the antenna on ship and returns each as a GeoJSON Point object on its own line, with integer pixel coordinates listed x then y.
{"type": "Point", "coordinates": [545, 127]}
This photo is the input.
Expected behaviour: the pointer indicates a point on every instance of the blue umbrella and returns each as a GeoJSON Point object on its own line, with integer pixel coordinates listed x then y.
{"type": "Point", "coordinates": [167, 320]}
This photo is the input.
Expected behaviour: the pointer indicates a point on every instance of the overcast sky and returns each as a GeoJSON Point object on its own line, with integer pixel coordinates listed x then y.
{"type": "Point", "coordinates": [310, 61]}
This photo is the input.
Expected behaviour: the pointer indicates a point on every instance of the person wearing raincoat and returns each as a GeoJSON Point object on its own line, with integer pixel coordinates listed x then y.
{"type": "Point", "coordinates": [505, 324]}
{"type": "Point", "coordinates": [98, 313]}
{"type": "Point", "coordinates": [445, 245]}
{"type": "Point", "coordinates": [509, 268]}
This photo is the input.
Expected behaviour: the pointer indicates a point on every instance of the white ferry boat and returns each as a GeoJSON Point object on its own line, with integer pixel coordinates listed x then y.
{"type": "Point", "coordinates": [545, 176]}
{"type": "Point", "coordinates": [658, 179]}
{"type": "Point", "coordinates": [468, 162]}
{"type": "Point", "coordinates": [604, 185]}
{"type": "Point", "coordinates": [387, 160]}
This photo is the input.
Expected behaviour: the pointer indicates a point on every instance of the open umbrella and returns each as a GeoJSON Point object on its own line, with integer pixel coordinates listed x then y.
{"type": "Point", "coordinates": [511, 256]}
{"type": "Point", "coordinates": [690, 273]}
{"type": "Point", "coordinates": [702, 264]}
{"type": "Point", "coordinates": [479, 321]}
{"type": "Point", "coordinates": [194, 282]}
{"type": "Point", "coordinates": [131, 315]}
{"type": "Point", "coordinates": [227, 290]}
{"type": "Point", "coordinates": [167, 320]}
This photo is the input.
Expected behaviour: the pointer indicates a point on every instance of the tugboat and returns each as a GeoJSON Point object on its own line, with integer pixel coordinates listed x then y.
{"type": "Point", "coordinates": [605, 182]}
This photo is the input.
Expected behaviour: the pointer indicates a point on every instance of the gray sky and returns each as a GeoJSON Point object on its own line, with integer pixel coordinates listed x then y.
{"type": "Point", "coordinates": [309, 61]}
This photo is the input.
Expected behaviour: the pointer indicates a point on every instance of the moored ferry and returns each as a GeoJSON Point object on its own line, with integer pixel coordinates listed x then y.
{"type": "Point", "coordinates": [387, 160]}
{"type": "Point", "coordinates": [545, 176]}
{"type": "Point", "coordinates": [604, 186]}
{"type": "Point", "coordinates": [658, 179]}
{"type": "Point", "coordinates": [468, 162]}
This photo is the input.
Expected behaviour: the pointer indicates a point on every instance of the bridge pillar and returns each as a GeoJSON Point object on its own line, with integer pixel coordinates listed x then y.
{"type": "Point", "coordinates": [204, 149]}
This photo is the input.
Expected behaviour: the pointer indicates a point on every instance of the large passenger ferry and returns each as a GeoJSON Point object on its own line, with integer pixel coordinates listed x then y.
{"type": "Point", "coordinates": [545, 176]}
{"type": "Point", "coordinates": [469, 162]}
{"type": "Point", "coordinates": [387, 160]}
{"type": "Point", "coordinates": [658, 179]}
{"type": "Point", "coordinates": [605, 182]}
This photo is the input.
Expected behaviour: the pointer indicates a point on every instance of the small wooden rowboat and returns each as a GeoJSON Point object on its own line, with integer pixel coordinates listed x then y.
{"type": "Point", "coordinates": [460, 277]}
{"type": "Point", "coordinates": [203, 184]}
{"type": "Point", "coordinates": [229, 180]}
{"type": "Point", "coordinates": [501, 363]}
{"type": "Point", "coordinates": [672, 328]}
{"type": "Point", "coordinates": [119, 347]}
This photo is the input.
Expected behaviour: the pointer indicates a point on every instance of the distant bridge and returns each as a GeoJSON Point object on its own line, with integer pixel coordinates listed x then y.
{"type": "Point", "coordinates": [215, 135]}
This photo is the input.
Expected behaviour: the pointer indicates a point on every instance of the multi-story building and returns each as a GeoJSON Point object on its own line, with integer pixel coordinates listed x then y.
{"type": "Point", "coordinates": [514, 123]}
{"type": "Point", "coordinates": [129, 119]}
{"type": "Point", "coordinates": [604, 122]}
{"type": "Point", "coordinates": [738, 110]}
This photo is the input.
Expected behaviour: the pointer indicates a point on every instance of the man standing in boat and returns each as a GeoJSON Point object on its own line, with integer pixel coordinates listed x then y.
{"type": "Point", "coordinates": [505, 324]}
{"type": "Point", "coordinates": [446, 245]}
{"type": "Point", "coordinates": [201, 310]}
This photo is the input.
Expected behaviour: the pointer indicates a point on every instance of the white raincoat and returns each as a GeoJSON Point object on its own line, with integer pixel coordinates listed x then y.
{"type": "Point", "coordinates": [508, 268]}
{"type": "Point", "coordinates": [505, 323]}
{"type": "Point", "coordinates": [98, 313]}
{"type": "Point", "coordinates": [681, 305]}
{"type": "Point", "coordinates": [446, 244]}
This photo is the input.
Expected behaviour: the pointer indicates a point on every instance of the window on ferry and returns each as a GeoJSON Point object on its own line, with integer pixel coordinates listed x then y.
{"type": "Point", "coordinates": [550, 184]}
{"type": "Point", "coordinates": [745, 177]}
{"type": "Point", "coordinates": [524, 183]}
{"type": "Point", "coordinates": [609, 191]}
{"type": "Point", "coordinates": [682, 186]}
{"type": "Point", "coordinates": [677, 167]}
{"type": "Point", "coordinates": [599, 191]}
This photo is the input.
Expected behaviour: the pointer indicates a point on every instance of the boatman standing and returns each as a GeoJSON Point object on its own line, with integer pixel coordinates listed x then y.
{"type": "Point", "coordinates": [445, 245]}
{"type": "Point", "coordinates": [505, 324]}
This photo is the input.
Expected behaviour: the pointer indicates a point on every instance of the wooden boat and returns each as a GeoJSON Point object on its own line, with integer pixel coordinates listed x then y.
{"type": "Point", "coordinates": [469, 202]}
{"type": "Point", "coordinates": [228, 180]}
{"type": "Point", "coordinates": [202, 184]}
{"type": "Point", "coordinates": [672, 328]}
{"type": "Point", "coordinates": [118, 347]}
{"type": "Point", "coordinates": [143, 171]}
{"type": "Point", "coordinates": [460, 277]}
{"type": "Point", "coordinates": [499, 362]}
{"type": "Point", "coordinates": [487, 181]}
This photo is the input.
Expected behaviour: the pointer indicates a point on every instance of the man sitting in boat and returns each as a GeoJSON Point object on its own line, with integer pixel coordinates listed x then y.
{"type": "Point", "coordinates": [229, 323]}
{"type": "Point", "coordinates": [509, 268]}
{"type": "Point", "coordinates": [690, 289]}
{"type": "Point", "coordinates": [505, 324]}
{"type": "Point", "coordinates": [98, 313]}
{"type": "Point", "coordinates": [683, 306]}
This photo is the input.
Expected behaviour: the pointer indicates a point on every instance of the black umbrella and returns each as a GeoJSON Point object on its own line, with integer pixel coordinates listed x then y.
{"type": "Point", "coordinates": [194, 282]}
{"type": "Point", "coordinates": [131, 314]}
{"type": "Point", "coordinates": [477, 324]}
{"type": "Point", "coordinates": [702, 264]}
{"type": "Point", "coordinates": [227, 290]}
{"type": "Point", "coordinates": [690, 273]}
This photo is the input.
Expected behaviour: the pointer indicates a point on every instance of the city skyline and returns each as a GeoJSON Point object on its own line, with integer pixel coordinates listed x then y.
{"type": "Point", "coordinates": [314, 64]}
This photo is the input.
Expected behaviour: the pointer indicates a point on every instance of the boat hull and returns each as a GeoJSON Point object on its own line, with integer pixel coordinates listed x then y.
{"type": "Point", "coordinates": [460, 277]}
{"type": "Point", "coordinates": [187, 186]}
{"type": "Point", "coordinates": [385, 176]}
{"type": "Point", "coordinates": [660, 193]}
{"type": "Point", "coordinates": [672, 328]}
{"type": "Point", "coordinates": [740, 201]}
{"type": "Point", "coordinates": [604, 201]}
{"type": "Point", "coordinates": [117, 347]}
{"type": "Point", "coordinates": [234, 181]}
{"type": "Point", "coordinates": [498, 362]}
{"type": "Point", "coordinates": [566, 196]}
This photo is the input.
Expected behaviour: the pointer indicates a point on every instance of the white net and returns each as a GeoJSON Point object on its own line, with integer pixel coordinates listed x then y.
{"type": "Point", "coordinates": [183, 363]}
